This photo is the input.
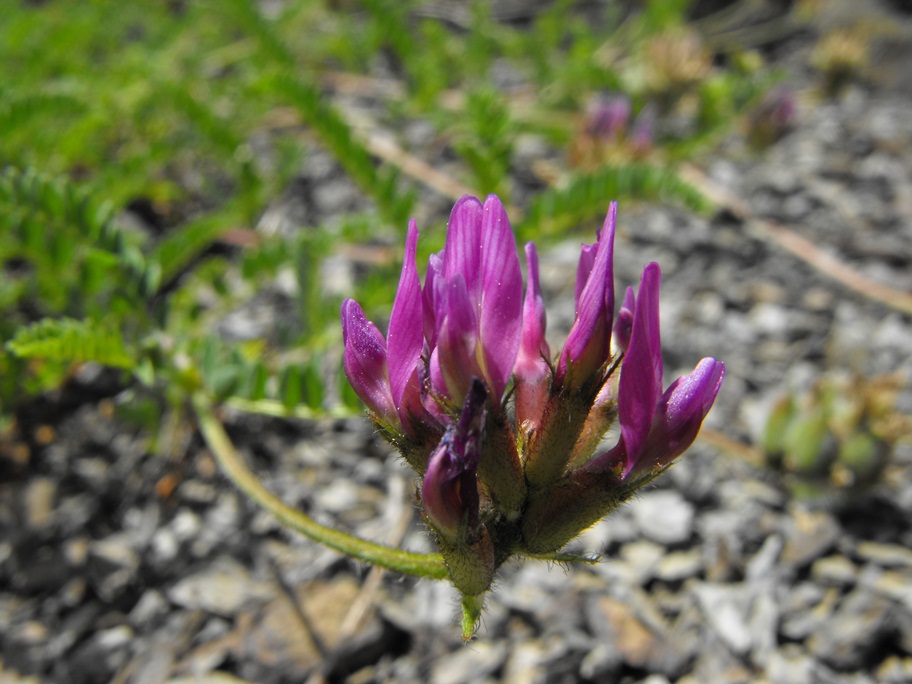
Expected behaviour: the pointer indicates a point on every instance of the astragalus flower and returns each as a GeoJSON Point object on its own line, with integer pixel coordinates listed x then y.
{"type": "Point", "coordinates": [505, 435]}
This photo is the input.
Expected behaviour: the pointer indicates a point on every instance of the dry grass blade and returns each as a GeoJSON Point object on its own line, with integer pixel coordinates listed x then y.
{"type": "Point", "coordinates": [802, 248]}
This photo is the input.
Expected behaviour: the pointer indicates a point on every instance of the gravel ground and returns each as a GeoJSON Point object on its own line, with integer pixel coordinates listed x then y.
{"type": "Point", "coordinates": [117, 566]}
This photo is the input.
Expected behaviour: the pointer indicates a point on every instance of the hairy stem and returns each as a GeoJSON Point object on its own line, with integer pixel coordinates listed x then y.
{"type": "Point", "coordinates": [422, 565]}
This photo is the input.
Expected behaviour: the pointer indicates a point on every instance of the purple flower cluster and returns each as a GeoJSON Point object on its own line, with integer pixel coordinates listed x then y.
{"type": "Point", "coordinates": [609, 131]}
{"type": "Point", "coordinates": [505, 434]}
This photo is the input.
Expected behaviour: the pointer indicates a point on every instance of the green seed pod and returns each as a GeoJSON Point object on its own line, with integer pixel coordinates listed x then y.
{"type": "Point", "coordinates": [773, 439]}
{"type": "Point", "coordinates": [809, 448]}
{"type": "Point", "coordinates": [863, 456]}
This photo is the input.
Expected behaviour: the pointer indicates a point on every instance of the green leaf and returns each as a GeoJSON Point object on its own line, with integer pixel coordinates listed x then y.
{"type": "Point", "coordinates": [291, 389]}
{"type": "Point", "coordinates": [588, 195]}
{"type": "Point", "coordinates": [73, 341]}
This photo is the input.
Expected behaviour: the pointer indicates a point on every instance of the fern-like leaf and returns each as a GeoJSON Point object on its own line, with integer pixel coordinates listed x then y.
{"type": "Point", "coordinates": [334, 132]}
{"type": "Point", "coordinates": [72, 341]}
{"type": "Point", "coordinates": [318, 113]}
{"type": "Point", "coordinates": [586, 195]}
{"type": "Point", "coordinates": [62, 204]}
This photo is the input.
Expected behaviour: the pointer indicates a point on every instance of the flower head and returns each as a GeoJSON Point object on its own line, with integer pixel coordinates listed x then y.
{"type": "Point", "coordinates": [496, 480]}
{"type": "Point", "coordinates": [607, 117]}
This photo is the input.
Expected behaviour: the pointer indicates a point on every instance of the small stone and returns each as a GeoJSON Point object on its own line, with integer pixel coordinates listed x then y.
{"type": "Point", "coordinates": [895, 670]}
{"type": "Point", "coordinates": [892, 584]}
{"type": "Point", "coordinates": [811, 535]}
{"type": "Point", "coordinates": [764, 561]}
{"type": "Point", "coordinates": [115, 637]}
{"type": "Point", "coordinates": [663, 516]}
{"type": "Point", "coordinates": [642, 556]}
{"type": "Point", "coordinates": [524, 663]}
{"type": "Point", "coordinates": [763, 623]}
{"type": "Point", "coordinates": [76, 552]}
{"type": "Point", "coordinates": [791, 665]}
{"type": "Point", "coordinates": [74, 627]}
{"type": "Point", "coordinates": [164, 547]}
{"type": "Point", "coordinates": [885, 555]}
{"type": "Point", "coordinates": [112, 565]}
{"type": "Point", "coordinates": [215, 677]}
{"type": "Point", "coordinates": [101, 654]}
{"type": "Point", "coordinates": [769, 319]}
{"type": "Point", "coordinates": [615, 623]}
{"type": "Point", "coordinates": [655, 679]}
{"type": "Point", "coordinates": [424, 607]}
{"type": "Point", "coordinates": [30, 633]}
{"type": "Point", "coordinates": [717, 559]}
{"type": "Point", "coordinates": [39, 503]}
{"type": "Point", "coordinates": [680, 565]}
{"type": "Point", "coordinates": [716, 663]}
{"type": "Point", "coordinates": [73, 592]}
{"type": "Point", "coordinates": [196, 492]}
{"type": "Point", "coordinates": [223, 588]}
{"type": "Point", "coordinates": [339, 496]}
{"type": "Point", "coordinates": [186, 525]}
{"type": "Point", "coordinates": [601, 663]}
{"type": "Point", "coordinates": [221, 520]}
{"type": "Point", "coordinates": [471, 664]}
{"type": "Point", "coordinates": [834, 571]}
{"type": "Point", "coordinates": [904, 629]}
{"type": "Point", "coordinates": [724, 607]}
{"type": "Point", "coordinates": [151, 607]}
{"type": "Point", "coordinates": [805, 611]}
{"type": "Point", "coordinates": [852, 633]}
{"type": "Point", "coordinates": [617, 528]}
{"type": "Point", "coordinates": [39, 569]}
{"type": "Point", "coordinates": [283, 640]}
{"type": "Point", "coordinates": [334, 196]}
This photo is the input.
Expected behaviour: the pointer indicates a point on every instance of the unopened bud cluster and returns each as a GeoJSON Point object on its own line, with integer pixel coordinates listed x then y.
{"type": "Point", "coordinates": [504, 433]}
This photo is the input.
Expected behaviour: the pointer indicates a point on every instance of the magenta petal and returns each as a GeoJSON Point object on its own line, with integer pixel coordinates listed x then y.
{"type": "Point", "coordinates": [462, 251]}
{"type": "Point", "coordinates": [588, 345]}
{"type": "Point", "coordinates": [586, 262]}
{"type": "Point", "coordinates": [440, 491]}
{"type": "Point", "coordinates": [435, 387]}
{"type": "Point", "coordinates": [624, 323]}
{"type": "Point", "coordinates": [500, 306]}
{"type": "Point", "coordinates": [434, 283]}
{"type": "Point", "coordinates": [457, 340]}
{"type": "Point", "coordinates": [640, 385]}
{"type": "Point", "coordinates": [533, 345]}
{"type": "Point", "coordinates": [679, 416]}
{"type": "Point", "coordinates": [532, 369]}
{"type": "Point", "coordinates": [406, 329]}
{"type": "Point", "coordinates": [450, 490]}
{"type": "Point", "coordinates": [687, 402]}
{"type": "Point", "coordinates": [364, 361]}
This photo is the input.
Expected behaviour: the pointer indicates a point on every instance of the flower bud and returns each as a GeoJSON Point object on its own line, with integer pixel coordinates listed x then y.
{"type": "Point", "coordinates": [588, 346]}
{"type": "Point", "coordinates": [624, 323]}
{"type": "Point", "coordinates": [450, 488]}
{"type": "Point", "coordinates": [655, 428]}
{"type": "Point", "coordinates": [365, 363]}
{"type": "Point", "coordinates": [532, 372]}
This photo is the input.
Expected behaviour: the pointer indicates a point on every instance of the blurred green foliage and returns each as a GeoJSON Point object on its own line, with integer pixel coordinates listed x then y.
{"type": "Point", "coordinates": [198, 114]}
{"type": "Point", "coordinates": [836, 439]}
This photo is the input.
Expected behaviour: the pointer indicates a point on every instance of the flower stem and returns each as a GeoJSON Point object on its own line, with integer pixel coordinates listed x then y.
{"type": "Point", "coordinates": [422, 565]}
{"type": "Point", "coordinates": [471, 613]}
